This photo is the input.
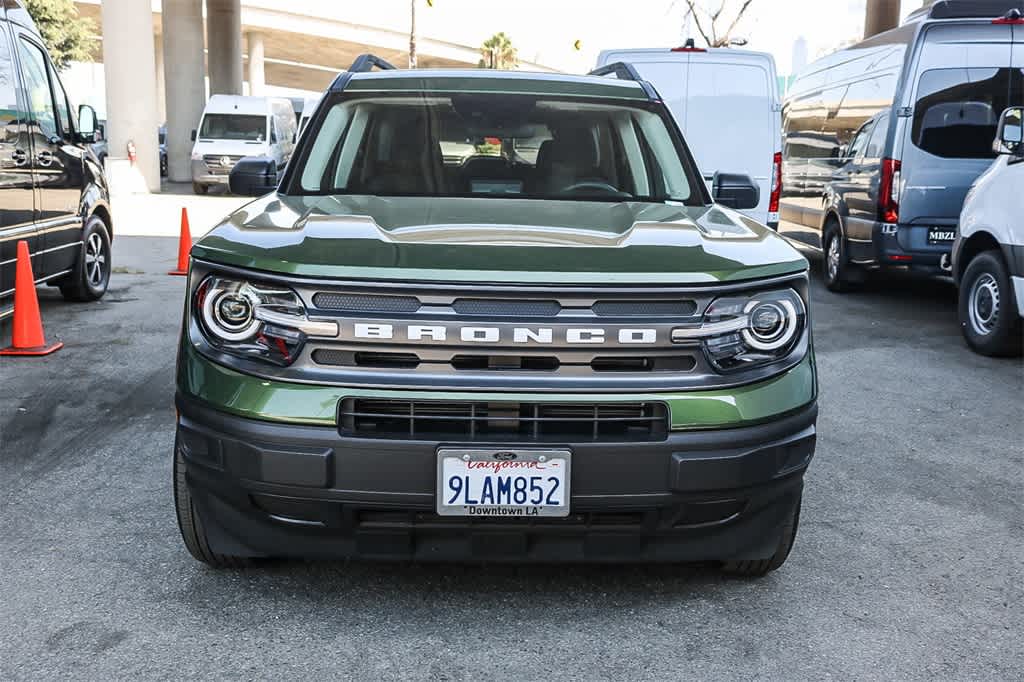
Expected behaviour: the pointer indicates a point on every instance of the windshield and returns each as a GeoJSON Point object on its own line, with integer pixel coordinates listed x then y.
{"type": "Point", "coordinates": [518, 146]}
{"type": "Point", "coordinates": [234, 127]}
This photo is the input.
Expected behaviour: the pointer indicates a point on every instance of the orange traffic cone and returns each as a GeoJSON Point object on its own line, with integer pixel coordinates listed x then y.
{"type": "Point", "coordinates": [184, 245]}
{"type": "Point", "coordinates": [27, 335]}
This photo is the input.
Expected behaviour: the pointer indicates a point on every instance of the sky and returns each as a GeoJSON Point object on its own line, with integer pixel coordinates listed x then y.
{"type": "Point", "coordinates": [545, 30]}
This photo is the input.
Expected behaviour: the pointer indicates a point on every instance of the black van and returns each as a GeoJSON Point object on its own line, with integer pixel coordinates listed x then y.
{"type": "Point", "coordinates": [52, 191]}
{"type": "Point", "coordinates": [882, 140]}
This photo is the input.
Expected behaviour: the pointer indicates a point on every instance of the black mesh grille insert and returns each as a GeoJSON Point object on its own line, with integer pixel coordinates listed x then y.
{"type": "Point", "coordinates": [360, 303]}
{"type": "Point", "coordinates": [645, 308]}
{"type": "Point", "coordinates": [484, 306]}
{"type": "Point", "coordinates": [489, 421]}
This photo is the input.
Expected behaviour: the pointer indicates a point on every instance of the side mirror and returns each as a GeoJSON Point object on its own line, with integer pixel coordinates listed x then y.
{"type": "Point", "coordinates": [735, 190]}
{"type": "Point", "coordinates": [253, 176]}
{"type": "Point", "coordinates": [1010, 134]}
{"type": "Point", "coordinates": [193, 135]}
{"type": "Point", "coordinates": [87, 124]}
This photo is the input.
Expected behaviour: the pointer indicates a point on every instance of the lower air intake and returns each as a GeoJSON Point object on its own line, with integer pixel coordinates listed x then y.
{"type": "Point", "coordinates": [503, 421]}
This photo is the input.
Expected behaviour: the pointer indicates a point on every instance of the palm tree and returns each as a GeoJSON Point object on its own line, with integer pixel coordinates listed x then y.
{"type": "Point", "coordinates": [497, 52]}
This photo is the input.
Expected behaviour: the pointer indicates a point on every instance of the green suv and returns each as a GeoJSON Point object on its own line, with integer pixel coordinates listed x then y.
{"type": "Point", "coordinates": [497, 316]}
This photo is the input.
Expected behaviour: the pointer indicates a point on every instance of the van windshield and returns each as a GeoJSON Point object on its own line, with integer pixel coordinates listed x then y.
{"type": "Point", "coordinates": [246, 128]}
{"type": "Point", "coordinates": [511, 146]}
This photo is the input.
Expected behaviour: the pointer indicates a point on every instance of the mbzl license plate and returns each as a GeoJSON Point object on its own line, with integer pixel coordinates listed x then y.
{"type": "Point", "coordinates": [941, 235]}
{"type": "Point", "coordinates": [502, 482]}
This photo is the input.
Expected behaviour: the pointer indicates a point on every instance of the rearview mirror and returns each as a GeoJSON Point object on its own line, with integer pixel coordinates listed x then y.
{"type": "Point", "coordinates": [87, 124]}
{"type": "Point", "coordinates": [1010, 135]}
{"type": "Point", "coordinates": [253, 176]}
{"type": "Point", "coordinates": [735, 190]}
{"type": "Point", "coordinates": [193, 135]}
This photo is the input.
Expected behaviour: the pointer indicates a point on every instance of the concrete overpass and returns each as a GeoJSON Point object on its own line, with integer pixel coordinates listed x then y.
{"type": "Point", "coordinates": [157, 55]}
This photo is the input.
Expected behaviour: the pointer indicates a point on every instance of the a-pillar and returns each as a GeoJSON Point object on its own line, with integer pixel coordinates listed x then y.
{"type": "Point", "coordinates": [257, 72]}
{"type": "Point", "coordinates": [185, 76]}
{"type": "Point", "coordinates": [224, 46]}
{"type": "Point", "coordinates": [130, 75]}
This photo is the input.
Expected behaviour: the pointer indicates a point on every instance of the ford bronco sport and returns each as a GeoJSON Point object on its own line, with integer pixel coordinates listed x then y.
{"type": "Point", "coordinates": [493, 316]}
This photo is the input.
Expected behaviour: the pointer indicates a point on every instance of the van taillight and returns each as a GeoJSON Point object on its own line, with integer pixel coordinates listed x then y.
{"type": "Point", "coordinates": [688, 49]}
{"type": "Point", "coordinates": [889, 192]}
{"type": "Point", "coordinates": [773, 202]}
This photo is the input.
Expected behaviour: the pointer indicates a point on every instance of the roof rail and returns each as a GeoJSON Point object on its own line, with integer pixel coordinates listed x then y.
{"type": "Point", "coordinates": [366, 62]}
{"type": "Point", "coordinates": [622, 71]}
{"type": "Point", "coordinates": [625, 71]}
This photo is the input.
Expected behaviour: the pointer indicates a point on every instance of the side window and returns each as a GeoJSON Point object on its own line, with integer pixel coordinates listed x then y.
{"type": "Point", "coordinates": [860, 141]}
{"type": "Point", "coordinates": [10, 115]}
{"type": "Point", "coordinates": [63, 108]}
{"type": "Point", "coordinates": [37, 89]}
{"type": "Point", "coordinates": [876, 145]}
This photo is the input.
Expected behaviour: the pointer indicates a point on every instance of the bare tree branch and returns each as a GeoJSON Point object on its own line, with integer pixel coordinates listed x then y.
{"type": "Point", "coordinates": [696, 21]}
{"type": "Point", "coordinates": [732, 26]}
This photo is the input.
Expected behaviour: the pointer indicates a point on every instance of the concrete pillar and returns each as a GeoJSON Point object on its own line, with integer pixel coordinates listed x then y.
{"type": "Point", "coordinates": [257, 74]}
{"type": "Point", "coordinates": [224, 46]}
{"type": "Point", "coordinates": [881, 15]}
{"type": "Point", "coordinates": [161, 86]}
{"type": "Point", "coordinates": [185, 76]}
{"type": "Point", "coordinates": [130, 75]}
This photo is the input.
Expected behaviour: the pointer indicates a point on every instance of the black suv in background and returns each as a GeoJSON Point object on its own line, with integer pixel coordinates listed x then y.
{"type": "Point", "coordinates": [52, 191]}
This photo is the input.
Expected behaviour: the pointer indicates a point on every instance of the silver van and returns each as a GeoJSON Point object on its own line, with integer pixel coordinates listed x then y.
{"type": "Point", "coordinates": [882, 140]}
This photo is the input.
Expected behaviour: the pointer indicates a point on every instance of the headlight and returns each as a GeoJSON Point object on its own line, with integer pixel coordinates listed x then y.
{"type": "Point", "coordinates": [741, 332]}
{"type": "Point", "coordinates": [255, 320]}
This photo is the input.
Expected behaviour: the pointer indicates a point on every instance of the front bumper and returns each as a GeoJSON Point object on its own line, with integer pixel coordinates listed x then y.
{"type": "Point", "coordinates": [203, 174]}
{"type": "Point", "coordinates": [273, 489]}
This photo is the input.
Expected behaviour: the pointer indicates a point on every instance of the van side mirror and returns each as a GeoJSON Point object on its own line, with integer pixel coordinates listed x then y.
{"type": "Point", "coordinates": [88, 124]}
{"type": "Point", "coordinates": [253, 176]}
{"type": "Point", "coordinates": [735, 190]}
{"type": "Point", "coordinates": [193, 134]}
{"type": "Point", "coordinates": [1010, 134]}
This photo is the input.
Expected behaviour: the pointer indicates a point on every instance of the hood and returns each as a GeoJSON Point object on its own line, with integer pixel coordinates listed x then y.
{"type": "Point", "coordinates": [526, 241]}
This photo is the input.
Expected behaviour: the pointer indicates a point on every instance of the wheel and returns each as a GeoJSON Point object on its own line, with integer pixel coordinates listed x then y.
{"type": "Point", "coordinates": [191, 525]}
{"type": "Point", "coordinates": [987, 307]}
{"type": "Point", "coordinates": [199, 189]}
{"type": "Point", "coordinates": [756, 568]}
{"type": "Point", "coordinates": [837, 270]}
{"type": "Point", "coordinates": [89, 279]}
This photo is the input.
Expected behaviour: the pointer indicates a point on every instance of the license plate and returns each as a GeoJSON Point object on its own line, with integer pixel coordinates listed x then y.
{"type": "Point", "coordinates": [502, 483]}
{"type": "Point", "coordinates": [941, 235]}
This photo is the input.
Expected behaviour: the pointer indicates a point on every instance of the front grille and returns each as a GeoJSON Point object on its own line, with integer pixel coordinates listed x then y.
{"type": "Point", "coordinates": [216, 160]}
{"type": "Point", "coordinates": [677, 309]}
{"type": "Point", "coordinates": [503, 421]}
{"type": "Point", "coordinates": [499, 308]}
{"type": "Point", "coordinates": [359, 303]}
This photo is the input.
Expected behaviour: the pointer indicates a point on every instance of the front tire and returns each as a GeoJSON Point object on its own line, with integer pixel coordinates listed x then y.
{"type": "Point", "coordinates": [191, 525]}
{"type": "Point", "coordinates": [757, 568]}
{"type": "Point", "coordinates": [90, 276]}
{"type": "Point", "coordinates": [988, 309]}
{"type": "Point", "coordinates": [200, 189]}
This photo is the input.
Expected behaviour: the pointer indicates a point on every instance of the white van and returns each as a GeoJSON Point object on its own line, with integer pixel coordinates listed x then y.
{"type": "Point", "coordinates": [232, 127]}
{"type": "Point", "coordinates": [988, 254]}
{"type": "Point", "coordinates": [727, 104]}
{"type": "Point", "coordinates": [308, 107]}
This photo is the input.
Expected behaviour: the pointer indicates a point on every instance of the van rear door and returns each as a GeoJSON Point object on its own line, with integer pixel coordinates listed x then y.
{"type": "Point", "coordinates": [964, 81]}
{"type": "Point", "coordinates": [729, 121]}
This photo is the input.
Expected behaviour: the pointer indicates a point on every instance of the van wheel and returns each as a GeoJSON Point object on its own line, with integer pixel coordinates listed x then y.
{"type": "Point", "coordinates": [756, 568]}
{"type": "Point", "coordinates": [191, 525]}
{"type": "Point", "coordinates": [199, 189]}
{"type": "Point", "coordinates": [89, 279]}
{"type": "Point", "coordinates": [838, 272]}
{"type": "Point", "coordinates": [988, 309]}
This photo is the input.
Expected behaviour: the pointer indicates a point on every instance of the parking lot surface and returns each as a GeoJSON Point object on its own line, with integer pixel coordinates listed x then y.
{"type": "Point", "coordinates": [909, 563]}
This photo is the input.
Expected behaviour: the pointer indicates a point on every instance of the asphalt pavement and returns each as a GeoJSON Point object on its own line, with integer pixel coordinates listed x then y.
{"type": "Point", "coordinates": [909, 563]}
